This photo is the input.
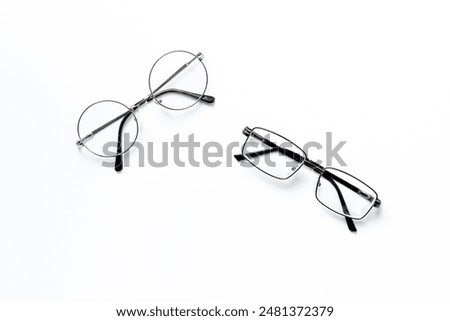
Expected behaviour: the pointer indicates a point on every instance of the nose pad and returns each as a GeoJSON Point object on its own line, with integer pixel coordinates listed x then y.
{"type": "Point", "coordinates": [317, 187]}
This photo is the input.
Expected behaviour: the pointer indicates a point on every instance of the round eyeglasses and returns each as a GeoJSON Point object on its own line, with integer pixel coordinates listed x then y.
{"type": "Point", "coordinates": [177, 80]}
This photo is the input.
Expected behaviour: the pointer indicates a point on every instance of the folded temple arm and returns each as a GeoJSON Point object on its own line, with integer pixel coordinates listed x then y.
{"type": "Point", "coordinates": [205, 98]}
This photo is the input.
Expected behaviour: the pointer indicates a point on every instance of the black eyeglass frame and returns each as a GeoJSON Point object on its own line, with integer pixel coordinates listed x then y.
{"type": "Point", "coordinates": [376, 202]}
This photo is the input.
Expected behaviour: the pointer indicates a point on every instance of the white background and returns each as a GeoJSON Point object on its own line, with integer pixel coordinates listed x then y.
{"type": "Point", "coordinates": [376, 75]}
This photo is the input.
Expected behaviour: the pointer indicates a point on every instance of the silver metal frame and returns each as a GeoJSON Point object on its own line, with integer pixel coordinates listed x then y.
{"type": "Point", "coordinates": [153, 94]}
{"type": "Point", "coordinates": [198, 56]}
{"type": "Point", "coordinates": [80, 143]}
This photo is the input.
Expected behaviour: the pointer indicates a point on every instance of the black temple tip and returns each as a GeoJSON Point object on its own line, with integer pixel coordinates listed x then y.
{"type": "Point", "coordinates": [119, 164]}
{"type": "Point", "coordinates": [208, 99]}
{"type": "Point", "coordinates": [350, 224]}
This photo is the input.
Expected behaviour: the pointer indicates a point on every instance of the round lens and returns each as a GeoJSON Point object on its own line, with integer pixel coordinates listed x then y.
{"type": "Point", "coordinates": [107, 128]}
{"type": "Point", "coordinates": [178, 80]}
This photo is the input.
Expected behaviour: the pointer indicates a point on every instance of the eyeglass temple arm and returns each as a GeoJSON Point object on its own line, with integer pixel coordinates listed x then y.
{"type": "Point", "coordinates": [309, 163]}
{"type": "Point", "coordinates": [176, 73]}
{"type": "Point", "coordinates": [119, 160]}
{"type": "Point", "coordinates": [350, 224]}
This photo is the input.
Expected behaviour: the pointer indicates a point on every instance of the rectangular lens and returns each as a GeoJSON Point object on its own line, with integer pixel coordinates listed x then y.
{"type": "Point", "coordinates": [272, 153]}
{"type": "Point", "coordinates": [344, 193]}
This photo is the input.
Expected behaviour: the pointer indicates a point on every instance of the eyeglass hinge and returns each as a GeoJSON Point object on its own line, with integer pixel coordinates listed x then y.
{"type": "Point", "coordinates": [247, 130]}
{"type": "Point", "coordinates": [80, 143]}
{"type": "Point", "coordinates": [200, 56]}
{"type": "Point", "coordinates": [377, 203]}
